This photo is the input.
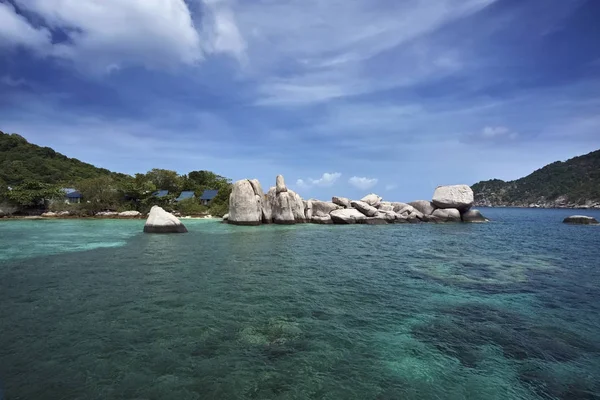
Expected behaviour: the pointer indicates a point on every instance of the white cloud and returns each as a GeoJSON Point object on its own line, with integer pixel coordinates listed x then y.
{"type": "Point", "coordinates": [362, 182]}
{"type": "Point", "coordinates": [112, 34]}
{"type": "Point", "coordinates": [326, 180]}
{"type": "Point", "coordinates": [391, 186]}
{"type": "Point", "coordinates": [15, 30]}
{"type": "Point", "coordinates": [494, 132]}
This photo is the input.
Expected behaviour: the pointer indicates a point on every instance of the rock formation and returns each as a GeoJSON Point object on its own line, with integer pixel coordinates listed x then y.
{"type": "Point", "coordinates": [130, 214]}
{"type": "Point", "coordinates": [456, 196]}
{"type": "Point", "coordinates": [160, 221]}
{"type": "Point", "coordinates": [250, 206]}
{"type": "Point", "coordinates": [580, 220]}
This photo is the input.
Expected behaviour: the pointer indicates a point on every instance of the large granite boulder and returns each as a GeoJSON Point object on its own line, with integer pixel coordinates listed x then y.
{"type": "Point", "coordinates": [363, 207]}
{"type": "Point", "coordinates": [245, 207]}
{"type": "Point", "coordinates": [326, 220]}
{"type": "Point", "coordinates": [283, 208]}
{"type": "Point", "coordinates": [347, 216]}
{"type": "Point", "coordinates": [454, 196]}
{"type": "Point", "coordinates": [160, 221]}
{"type": "Point", "coordinates": [372, 199]}
{"type": "Point", "coordinates": [323, 208]}
{"type": "Point", "coordinates": [401, 208]}
{"type": "Point", "coordinates": [341, 201]}
{"type": "Point", "coordinates": [297, 207]}
{"type": "Point", "coordinates": [447, 215]}
{"type": "Point", "coordinates": [2, 213]}
{"type": "Point", "coordinates": [389, 216]}
{"type": "Point", "coordinates": [280, 184]}
{"type": "Point", "coordinates": [424, 206]}
{"type": "Point", "coordinates": [580, 220]}
{"type": "Point", "coordinates": [473, 216]}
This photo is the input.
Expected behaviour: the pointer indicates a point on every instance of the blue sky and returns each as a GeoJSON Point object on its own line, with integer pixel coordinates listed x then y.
{"type": "Point", "coordinates": [342, 97]}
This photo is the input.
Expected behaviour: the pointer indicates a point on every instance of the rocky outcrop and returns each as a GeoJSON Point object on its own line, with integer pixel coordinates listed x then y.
{"type": "Point", "coordinates": [107, 214]}
{"type": "Point", "coordinates": [160, 221]}
{"type": "Point", "coordinates": [341, 201]}
{"type": "Point", "coordinates": [424, 206]}
{"type": "Point", "coordinates": [64, 213]}
{"type": "Point", "coordinates": [366, 209]}
{"type": "Point", "coordinates": [49, 214]}
{"type": "Point", "coordinates": [245, 207]}
{"type": "Point", "coordinates": [226, 217]}
{"type": "Point", "coordinates": [250, 206]}
{"type": "Point", "coordinates": [130, 214]}
{"type": "Point", "coordinates": [454, 196]}
{"type": "Point", "coordinates": [473, 216]}
{"type": "Point", "coordinates": [372, 200]}
{"type": "Point", "coordinates": [347, 216]}
{"type": "Point", "coordinates": [580, 220]}
{"type": "Point", "coordinates": [447, 215]}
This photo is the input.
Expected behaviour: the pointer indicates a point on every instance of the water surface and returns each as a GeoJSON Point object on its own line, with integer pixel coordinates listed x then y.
{"type": "Point", "coordinates": [98, 310]}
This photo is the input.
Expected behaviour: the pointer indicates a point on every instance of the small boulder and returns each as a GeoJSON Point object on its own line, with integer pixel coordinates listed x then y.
{"type": "Point", "coordinates": [447, 215]}
{"type": "Point", "coordinates": [49, 214]}
{"type": "Point", "coordinates": [473, 216]}
{"type": "Point", "coordinates": [280, 184]}
{"type": "Point", "coordinates": [347, 216]}
{"type": "Point", "coordinates": [424, 206]}
{"type": "Point", "coordinates": [453, 196]}
{"type": "Point", "coordinates": [226, 217]}
{"type": "Point", "coordinates": [363, 207]}
{"type": "Point", "coordinates": [580, 220]}
{"type": "Point", "coordinates": [323, 208]}
{"type": "Point", "coordinates": [107, 214]}
{"type": "Point", "coordinates": [372, 200]}
{"type": "Point", "coordinates": [326, 220]}
{"type": "Point", "coordinates": [341, 201]}
{"type": "Point", "coordinates": [130, 214]}
{"type": "Point", "coordinates": [64, 214]}
{"type": "Point", "coordinates": [386, 206]}
{"type": "Point", "coordinates": [388, 216]}
{"type": "Point", "coordinates": [160, 221]}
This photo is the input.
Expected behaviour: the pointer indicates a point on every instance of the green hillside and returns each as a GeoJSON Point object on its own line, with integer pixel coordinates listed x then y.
{"type": "Point", "coordinates": [575, 182]}
{"type": "Point", "coordinates": [21, 161]}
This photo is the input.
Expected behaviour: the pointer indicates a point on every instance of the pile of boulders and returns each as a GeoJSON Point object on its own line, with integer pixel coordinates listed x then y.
{"type": "Point", "coordinates": [248, 205]}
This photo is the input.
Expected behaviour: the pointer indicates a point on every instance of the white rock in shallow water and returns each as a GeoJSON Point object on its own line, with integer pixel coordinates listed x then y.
{"type": "Point", "coordinates": [454, 196]}
{"type": "Point", "coordinates": [347, 216]}
{"type": "Point", "coordinates": [130, 214]}
{"type": "Point", "coordinates": [447, 215]}
{"type": "Point", "coordinates": [160, 221]}
{"type": "Point", "coordinates": [244, 206]}
{"type": "Point", "coordinates": [365, 208]}
{"type": "Point", "coordinates": [372, 199]}
{"type": "Point", "coordinates": [580, 220]}
{"type": "Point", "coordinates": [225, 217]}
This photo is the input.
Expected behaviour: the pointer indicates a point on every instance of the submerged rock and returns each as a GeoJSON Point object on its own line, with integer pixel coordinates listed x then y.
{"type": "Point", "coordinates": [347, 216]}
{"type": "Point", "coordinates": [424, 206]}
{"type": "Point", "coordinates": [447, 215]}
{"type": "Point", "coordinates": [160, 221]}
{"type": "Point", "coordinates": [473, 216]}
{"type": "Point", "coordinates": [454, 196]}
{"type": "Point", "coordinates": [580, 220]}
{"type": "Point", "coordinates": [245, 207]}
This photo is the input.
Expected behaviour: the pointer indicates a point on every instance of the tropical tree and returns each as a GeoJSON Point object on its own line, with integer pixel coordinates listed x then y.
{"type": "Point", "coordinates": [33, 194]}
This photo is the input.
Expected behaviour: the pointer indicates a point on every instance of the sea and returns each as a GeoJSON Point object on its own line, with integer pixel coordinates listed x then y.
{"type": "Point", "coordinates": [95, 309]}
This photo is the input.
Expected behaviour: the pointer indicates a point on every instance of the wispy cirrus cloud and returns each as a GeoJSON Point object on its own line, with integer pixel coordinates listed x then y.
{"type": "Point", "coordinates": [326, 180]}
{"type": "Point", "coordinates": [363, 183]}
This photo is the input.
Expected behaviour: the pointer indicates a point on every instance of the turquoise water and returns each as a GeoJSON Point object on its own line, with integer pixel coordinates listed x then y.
{"type": "Point", "coordinates": [98, 310]}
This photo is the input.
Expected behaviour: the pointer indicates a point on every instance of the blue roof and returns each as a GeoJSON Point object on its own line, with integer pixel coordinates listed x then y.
{"type": "Point", "coordinates": [187, 194]}
{"type": "Point", "coordinates": [74, 195]}
{"type": "Point", "coordinates": [160, 193]}
{"type": "Point", "coordinates": [209, 194]}
{"type": "Point", "coordinates": [69, 190]}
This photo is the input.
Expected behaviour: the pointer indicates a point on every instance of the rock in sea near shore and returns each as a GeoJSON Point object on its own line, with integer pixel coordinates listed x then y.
{"type": "Point", "coordinates": [447, 215]}
{"type": "Point", "coordinates": [424, 206]}
{"type": "Point", "coordinates": [160, 221]}
{"type": "Point", "coordinates": [473, 216]}
{"type": "Point", "coordinates": [454, 196]}
{"type": "Point", "coordinates": [580, 220]}
{"type": "Point", "coordinates": [245, 207]}
{"type": "Point", "coordinates": [347, 216]}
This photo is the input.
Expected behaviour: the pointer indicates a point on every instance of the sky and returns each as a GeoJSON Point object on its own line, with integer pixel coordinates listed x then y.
{"type": "Point", "coordinates": [342, 97]}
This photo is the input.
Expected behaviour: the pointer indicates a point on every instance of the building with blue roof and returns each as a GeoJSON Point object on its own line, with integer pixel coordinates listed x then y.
{"type": "Point", "coordinates": [72, 195]}
{"type": "Point", "coordinates": [208, 196]}
{"type": "Point", "coordinates": [160, 193]}
{"type": "Point", "coordinates": [186, 194]}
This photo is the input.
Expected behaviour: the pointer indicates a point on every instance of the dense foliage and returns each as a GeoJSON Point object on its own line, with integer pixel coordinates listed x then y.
{"type": "Point", "coordinates": [31, 178]}
{"type": "Point", "coordinates": [575, 181]}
